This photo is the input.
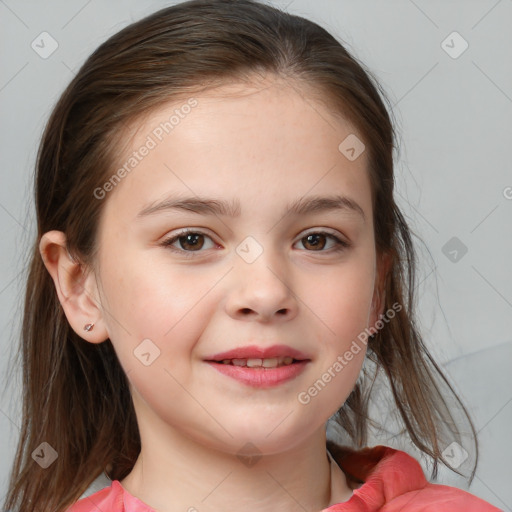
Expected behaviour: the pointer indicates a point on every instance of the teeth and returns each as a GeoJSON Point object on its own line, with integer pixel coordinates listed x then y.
{"type": "Point", "coordinates": [272, 362]}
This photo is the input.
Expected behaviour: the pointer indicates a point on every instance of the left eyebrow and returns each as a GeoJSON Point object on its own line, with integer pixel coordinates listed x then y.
{"type": "Point", "coordinates": [208, 206]}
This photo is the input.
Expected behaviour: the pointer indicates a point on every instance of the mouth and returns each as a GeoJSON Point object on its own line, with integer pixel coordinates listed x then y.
{"type": "Point", "coordinates": [253, 356]}
{"type": "Point", "coordinates": [272, 362]}
{"type": "Point", "coordinates": [260, 367]}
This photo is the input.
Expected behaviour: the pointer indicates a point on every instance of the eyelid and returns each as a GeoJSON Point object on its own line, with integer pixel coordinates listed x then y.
{"type": "Point", "coordinates": [323, 231]}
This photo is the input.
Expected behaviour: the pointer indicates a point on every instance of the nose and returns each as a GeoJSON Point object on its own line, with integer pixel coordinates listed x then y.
{"type": "Point", "coordinates": [262, 291]}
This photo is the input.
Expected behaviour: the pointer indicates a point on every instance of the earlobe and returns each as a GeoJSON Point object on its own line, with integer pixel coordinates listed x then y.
{"type": "Point", "coordinates": [76, 288]}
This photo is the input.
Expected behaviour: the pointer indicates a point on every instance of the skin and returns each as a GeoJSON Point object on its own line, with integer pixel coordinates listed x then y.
{"type": "Point", "coordinates": [265, 146]}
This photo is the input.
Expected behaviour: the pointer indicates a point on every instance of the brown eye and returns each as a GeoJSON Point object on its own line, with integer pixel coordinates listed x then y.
{"type": "Point", "coordinates": [317, 242]}
{"type": "Point", "coordinates": [193, 241]}
{"type": "Point", "coordinates": [188, 242]}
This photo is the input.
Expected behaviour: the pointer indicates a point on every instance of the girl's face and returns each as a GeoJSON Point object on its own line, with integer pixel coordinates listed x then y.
{"type": "Point", "coordinates": [254, 273]}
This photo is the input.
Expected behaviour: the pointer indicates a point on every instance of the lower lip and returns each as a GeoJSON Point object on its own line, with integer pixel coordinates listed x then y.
{"type": "Point", "coordinates": [261, 377]}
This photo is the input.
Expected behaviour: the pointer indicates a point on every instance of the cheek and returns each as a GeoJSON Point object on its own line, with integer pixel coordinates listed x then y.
{"type": "Point", "coordinates": [345, 313]}
{"type": "Point", "coordinates": [147, 299]}
{"type": "Point", "coordinates": [340, 304]}
{"type": "Point", "coordinates": [340, 300]}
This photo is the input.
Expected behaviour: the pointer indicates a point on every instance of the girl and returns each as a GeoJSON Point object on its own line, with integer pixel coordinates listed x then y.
{"type": "Point", "coordinates": [220, 268]}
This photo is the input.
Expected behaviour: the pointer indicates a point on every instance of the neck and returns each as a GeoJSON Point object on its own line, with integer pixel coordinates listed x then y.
{"type": "Point", "coordinates": [183, 475]}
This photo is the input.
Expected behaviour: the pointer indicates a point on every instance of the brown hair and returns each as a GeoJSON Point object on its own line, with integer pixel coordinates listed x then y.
{"type": "Point", "coordinates": [75, 393]}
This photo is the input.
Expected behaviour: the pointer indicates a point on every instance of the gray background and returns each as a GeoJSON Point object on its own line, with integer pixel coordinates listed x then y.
{"type": "Point", "coordinates": [454, 175]}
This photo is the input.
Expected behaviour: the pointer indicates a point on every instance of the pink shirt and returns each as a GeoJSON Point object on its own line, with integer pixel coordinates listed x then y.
{"type": "Point", "coordinates": [393, 482]}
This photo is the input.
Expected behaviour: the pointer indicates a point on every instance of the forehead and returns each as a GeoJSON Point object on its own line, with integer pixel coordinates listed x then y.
{"type": "Point", "coordinates": [271, 136]}
{"type": "Point", "coordinates": [266, 104]}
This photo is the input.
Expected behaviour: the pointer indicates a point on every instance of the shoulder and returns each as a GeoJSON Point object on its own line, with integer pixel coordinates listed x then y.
{"type": "Point", "coordinates": [438, 498]}
{"type": "Point", "coordinates": [109, 499]}
{"type": "Point", "coordinates": [390, 480]}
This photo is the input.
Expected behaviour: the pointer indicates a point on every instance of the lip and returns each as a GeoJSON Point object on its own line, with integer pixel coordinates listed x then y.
{"type": "Point", "coordinates": [258, 377]}
{"type": "Point", "coordinates": [261, 377]}
{"type": "Point", "coordinates": [255, 352]}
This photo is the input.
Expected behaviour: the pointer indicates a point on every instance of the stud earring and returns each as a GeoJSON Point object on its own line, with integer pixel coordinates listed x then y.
{"type": "Point", "coordinates": [88, 327]}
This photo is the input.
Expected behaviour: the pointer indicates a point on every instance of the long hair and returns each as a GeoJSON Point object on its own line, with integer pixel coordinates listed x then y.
{"type": "Point", "coordinates": [75, 394]}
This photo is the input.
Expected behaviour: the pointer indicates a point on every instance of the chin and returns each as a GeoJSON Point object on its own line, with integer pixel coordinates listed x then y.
{"type": "Point", "coordinates": [266, 438]}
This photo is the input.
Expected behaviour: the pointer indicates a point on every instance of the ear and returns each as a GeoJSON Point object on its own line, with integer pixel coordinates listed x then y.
{"type": "Point", "coordinates": [384, 262]}
{"type": "Point", "coordinates": [76, 287]}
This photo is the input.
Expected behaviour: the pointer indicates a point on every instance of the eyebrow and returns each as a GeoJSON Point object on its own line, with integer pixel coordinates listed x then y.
{"type": "Point", "coordinates": [207, 206]}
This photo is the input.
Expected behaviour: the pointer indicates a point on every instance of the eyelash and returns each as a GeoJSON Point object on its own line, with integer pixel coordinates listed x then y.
{"type": "Point", "coordinates": [341, 245]}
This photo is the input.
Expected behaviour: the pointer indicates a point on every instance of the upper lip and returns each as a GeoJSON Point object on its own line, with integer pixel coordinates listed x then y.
{"type": "Point", "coordinates": [255, 352]}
